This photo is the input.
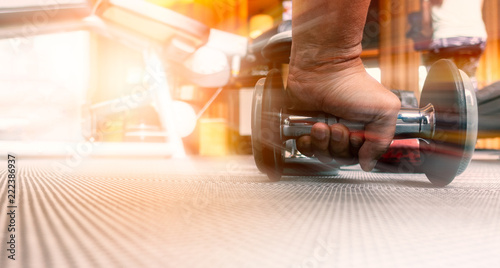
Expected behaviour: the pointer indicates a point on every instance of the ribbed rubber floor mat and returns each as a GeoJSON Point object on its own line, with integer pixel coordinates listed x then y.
{"type": "Point", "coordinates": [223, 213]}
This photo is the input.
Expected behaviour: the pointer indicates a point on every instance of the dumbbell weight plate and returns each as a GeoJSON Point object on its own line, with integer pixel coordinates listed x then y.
{"type": "Point", "coordinates": [267, 145]}
{"type": "Point", "coordinates": [256, 128]}
{"type": "Point", "coordinates": [448, 153]}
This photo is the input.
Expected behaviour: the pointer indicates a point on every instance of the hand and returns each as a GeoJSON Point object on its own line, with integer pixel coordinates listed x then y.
{"type": "Point", "coordinates": [347, 91]}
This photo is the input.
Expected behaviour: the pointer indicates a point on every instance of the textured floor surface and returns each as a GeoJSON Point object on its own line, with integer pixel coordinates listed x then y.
{"type": "Point", "coordinates": [224, 213]}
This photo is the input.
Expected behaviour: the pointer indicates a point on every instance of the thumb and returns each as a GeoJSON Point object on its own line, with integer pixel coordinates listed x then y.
{"type": "Point", "coordinates": [378, 137]}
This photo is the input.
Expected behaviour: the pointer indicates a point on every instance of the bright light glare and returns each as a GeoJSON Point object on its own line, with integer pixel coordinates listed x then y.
{"type": "Point", "coordinates": [422, 74]}
{"type": "Point", "coordinates": [185, 118]}
{"type": "Point", "coordinates": [375, 73]}
{"type": "Point", "coordinates": [43, 80]}
{"type": "Point", "coordinates": [207, 61]}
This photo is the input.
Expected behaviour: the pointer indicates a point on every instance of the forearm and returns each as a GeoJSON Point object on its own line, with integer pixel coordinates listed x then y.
{"type": "Point", "coordinates": [327, 31]}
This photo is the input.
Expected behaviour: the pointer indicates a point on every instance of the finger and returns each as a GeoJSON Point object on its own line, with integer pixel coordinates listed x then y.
{"type": "Point", "coordinates": [379, 132]}
{"type": "Point", "coordinates": [378, 137]}
{"type": "Point", "coordinates": [304, 145]}
{"type": "Point", "coordinates": [340, 147]}
{"type": "Point", "coordinates": [356, 140]}
{"type": "Point", "coordinates": [320, 138]}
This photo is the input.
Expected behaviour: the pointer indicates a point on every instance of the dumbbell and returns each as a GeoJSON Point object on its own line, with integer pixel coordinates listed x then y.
{"type": "Point", "coordinates": [445, 123]}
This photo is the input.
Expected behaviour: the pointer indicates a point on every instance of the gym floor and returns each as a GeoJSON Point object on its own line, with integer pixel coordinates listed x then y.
{"type": "Point", "coordinates": [206, 212]}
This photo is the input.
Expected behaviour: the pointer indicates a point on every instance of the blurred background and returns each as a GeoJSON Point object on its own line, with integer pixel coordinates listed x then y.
{"type": "Point", "coordinates": [170, 78]}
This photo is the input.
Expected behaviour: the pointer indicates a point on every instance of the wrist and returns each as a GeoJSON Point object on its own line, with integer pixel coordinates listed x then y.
{"type": "Point", "coordinates": [321, 58]}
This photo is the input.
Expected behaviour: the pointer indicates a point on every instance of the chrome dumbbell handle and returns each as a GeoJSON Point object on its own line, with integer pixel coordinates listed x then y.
{"type": "Point", "coordinates": [411, 123]}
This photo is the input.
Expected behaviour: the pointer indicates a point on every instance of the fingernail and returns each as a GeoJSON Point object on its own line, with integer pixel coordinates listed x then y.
{"type": "Point", "coordinates": [336, 134]}
{"type": "Point", "coordinates": [319, 134]}
{"type": "Point", "coordinates": [372, 165]}
{"type": "Point", "coordinates": [356, 142]}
